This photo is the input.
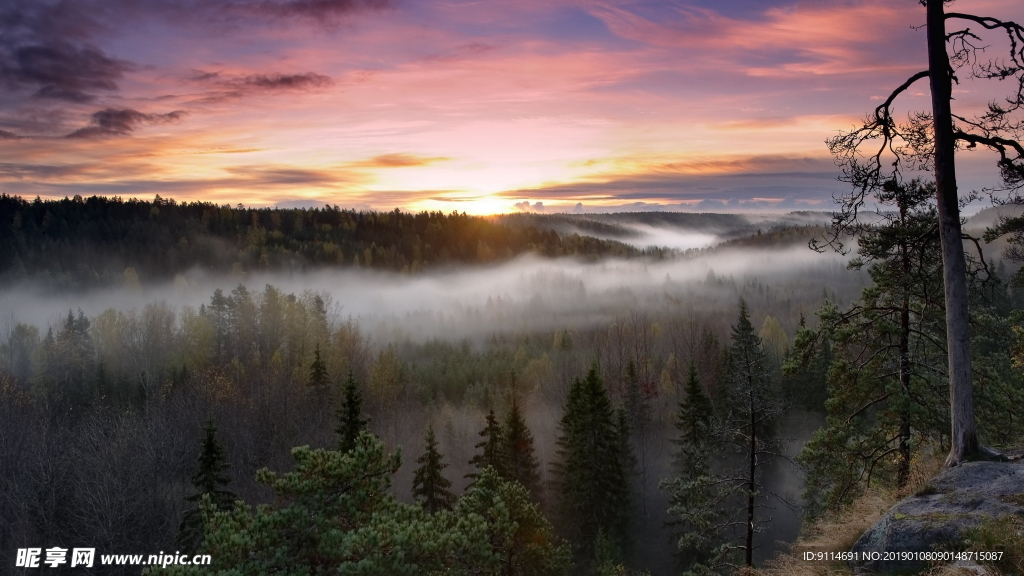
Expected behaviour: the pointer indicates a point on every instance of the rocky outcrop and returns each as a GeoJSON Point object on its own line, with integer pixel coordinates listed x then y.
{"type": "Point", "coordinates": [940, 515]}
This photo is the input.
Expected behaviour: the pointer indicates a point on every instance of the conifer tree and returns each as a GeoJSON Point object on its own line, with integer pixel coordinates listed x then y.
{"type": "Point", "coordinates": [693, 424]}
{"type": "Point", "coordinates": [521, 462]}
{"type": "Point", "coordinates": [209, 482]}
{"type": "Point", "coordinates": [318, 378]}
{"type": "Point", "coordinates": [591, 477]}
{"type": "Point", "coordinates": [753, 408]}
{"type": "Point", "coordinates": [491, 449]}
{"type": "Point", "coordinates": [694, 493]}
{"type": "Point", "coordinates": [350, 420]}
{"type": "Point", "coordinates": [708, 506]}
{"type": "Point", "coordinates": [887, 351]}
{"type": "Point", "coordinates": [429, 486]}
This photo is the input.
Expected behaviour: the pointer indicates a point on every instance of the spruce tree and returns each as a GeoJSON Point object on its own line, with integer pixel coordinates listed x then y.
{"type": "Point", "coordinates": [429, 486]}
{"type": "Point", "coordinates": [350, 420]}
{"type": "Point", "coordinates": [318, 378]}
{"type": "Point", "coordinates": [521, 462]}
{"type": "Point", "coordinates": [591, 477]}
{"type": "Point", "coordinates": [752, 410]}
{"type": "Point", "coordinates": [209, 482]}
{"type": "Point", "coordinates": [693, 425]}
{"type": "Point", "coordinates": [491, 449]}
{"type": "Point", "coordinates": [694, 493]}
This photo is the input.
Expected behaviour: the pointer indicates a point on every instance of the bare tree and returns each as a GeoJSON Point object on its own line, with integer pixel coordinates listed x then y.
{"type": "Point", "coordinates": [928, 141]}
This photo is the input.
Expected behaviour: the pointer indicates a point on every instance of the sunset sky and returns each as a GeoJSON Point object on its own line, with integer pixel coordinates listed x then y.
{"type": "Point", "coordinates": [480, 106]}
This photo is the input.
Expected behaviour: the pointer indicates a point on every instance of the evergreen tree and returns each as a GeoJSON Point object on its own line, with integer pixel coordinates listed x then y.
{"type": "Point", "coordinates": [886, 379]}
{"type": "Point", "coordinates": [591, 477]}
{"type": "Point", "coordinates": [520, 460]}
{"type": "Point", "coordinates": [335, 514]}
{"type": "Point", "coordinates": [350, 420]}
{"type": "Point", "coordinates": [693, 424]}
{"type": "Point", "coordinates": [520, 536]}
{"type": "Point", "coordinates": [491, 449]}
{"type": "Point", "coordinates": [694, 494]}
{"type": "Point", "coordinates": [429, 486]}
{"type": "Point", "coordinates": [805, 370]}
{"type": "Point", "coordinates": [752, 409]}
{"type": "Point", "coordinates": [318, 378]}
{"type": "Point", "coordinates": [209, 482]}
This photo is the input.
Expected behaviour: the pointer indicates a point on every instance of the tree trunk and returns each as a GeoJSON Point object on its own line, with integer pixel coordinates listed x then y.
{"type": "Point", "coordinates": [964, 441]}
{"type": "Point", "coordinates": [903, 465]}
{"type": "Point", "coordinates": [751, 479]}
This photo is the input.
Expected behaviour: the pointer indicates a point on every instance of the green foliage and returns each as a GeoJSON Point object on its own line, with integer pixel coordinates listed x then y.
{"type": "Point", "coordinates": [350, 421]}
{"type": "Point", "coordinates": [699, 521]}
{"type": "Point", "coordinates": [491, 449]}
{"type": "Point", "coordinates": [429, 485]}
{"type": "Point", "coordinates": [335, 515]}
{"type": "Point", "coordinates": [77, 243]}
{"type": "Point", "coordinates": [805, 368]}
{"type": "Point", "coordinates": [693, 494]}
{"type": "Point", "coordinates": [209, 482]}
{"type": "Point", "coordinates": [693, 424]}
{"type": "Point", "coordinates": [520, 537]}
{"type": "Point", "coordinates": [592, 476]}
{"type": "Point", "coordinates": [887, 383]}
{"type": "Point", "coordinates": [318, 378]}
{"type": "Point", "coordinates": [520, 460]}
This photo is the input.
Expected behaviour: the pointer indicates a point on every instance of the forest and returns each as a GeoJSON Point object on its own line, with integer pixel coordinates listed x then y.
{"type": "Point", "coordinates": [576, 406]}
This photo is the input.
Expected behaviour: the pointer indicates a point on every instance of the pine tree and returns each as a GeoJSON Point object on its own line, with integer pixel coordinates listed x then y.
{"type": "Point", "coordinates": [693, 423]}
{"type": "Point", "coordinates": [491, 449]}
{"type": "Point", "coordinates": [694, 493]}
{"type": "Point", "coordinates": [886, 379]}
{"type": "Point", "coordinates": [591, 477]}
{"type": "Point", "coordinates": [753, 408]}
{"type": "Point", "coordinates": [521, 462]}
{"type": "Point", "coordinates": [350, 420]}
{"type": "Point", "coordinates": [209, 482]}
{"type": "Point", "coordinates": [318, 378]}
{"type": "Point", "coordinates": [429, 486]}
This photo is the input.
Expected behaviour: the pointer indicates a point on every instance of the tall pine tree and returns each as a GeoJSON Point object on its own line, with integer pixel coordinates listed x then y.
{"type": "Point", "coordinates": [350, 420]}
{"type": "Point", "coordinates": [694, 493]}
{"type": "Point", "coordinates": [591, 477]}
{"type": "Point", "coordinates": [429, 485]}
{"type": "Point", "coordinates": [521, 462]}
{"type": "Point", "coordinates": [318, 378]}
{"type": "Point", "coordinates": [491, 449]}
{"type": "Point", "coordinates": [752, 409]}
{"type": "Point", "coordinates": [209, 481]}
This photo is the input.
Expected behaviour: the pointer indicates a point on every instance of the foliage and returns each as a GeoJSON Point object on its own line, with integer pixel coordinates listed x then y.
{"type": "Point", "coordinates": [209, 482]}
{"type": "Point", "coordinates": [335, 515]}
{"type": "Point", "coordinates": [318, 378]}
{"type": "Point", "coordinates": [350, 420]}
{"type": "Point", "coordinates": [521, 464]}
{"type": "Point", "coordinates": [591, 477]}
{"type": "Point", "coordinates": [886, 382]}
{"type": "Point", "coordinates": [77, 243]}
{"type": "Point", "coordinates": [429, 486]}
{"type": "Point", "coordinates": [520, 537]}
{"type": "Point", "coordinates": [491, 449]}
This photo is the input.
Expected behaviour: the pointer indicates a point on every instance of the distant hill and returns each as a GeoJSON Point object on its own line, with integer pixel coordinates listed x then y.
{"type": "Point", "coordinates": [81, 242]}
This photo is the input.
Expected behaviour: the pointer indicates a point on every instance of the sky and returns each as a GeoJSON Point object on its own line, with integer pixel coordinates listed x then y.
{"type": "Point", "coordinates": [481, 106]}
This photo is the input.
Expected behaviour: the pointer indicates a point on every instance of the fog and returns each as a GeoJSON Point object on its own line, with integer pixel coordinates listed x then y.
{"type": "Point", "coordinates": [523, 298]}
{"type": "Point", "coordinates": [526, 294]}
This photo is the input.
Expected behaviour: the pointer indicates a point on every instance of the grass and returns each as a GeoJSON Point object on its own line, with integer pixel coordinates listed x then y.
{"type": "Point", "coordinates": [840, 531]}
{"type": "Point", "coordinates": [1006, 535]}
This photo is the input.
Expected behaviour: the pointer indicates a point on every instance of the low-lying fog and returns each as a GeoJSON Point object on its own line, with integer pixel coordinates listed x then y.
{"type": "Point", "coordinates": [527, 294]}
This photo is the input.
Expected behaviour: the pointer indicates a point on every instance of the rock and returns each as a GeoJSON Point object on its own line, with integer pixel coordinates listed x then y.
{"type": "Point", "coordinates": [939, 516]}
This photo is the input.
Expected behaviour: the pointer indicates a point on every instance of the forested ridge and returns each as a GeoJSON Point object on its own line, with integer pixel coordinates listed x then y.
{"type": "Point", "coordinates": [645, 442]}
{"type": "Point", "coordinates": [83, 242]}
